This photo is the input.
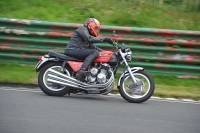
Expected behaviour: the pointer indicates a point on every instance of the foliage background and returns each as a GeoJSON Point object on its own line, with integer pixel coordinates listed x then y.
{"type": "Point", "coordinates": [164, 14]}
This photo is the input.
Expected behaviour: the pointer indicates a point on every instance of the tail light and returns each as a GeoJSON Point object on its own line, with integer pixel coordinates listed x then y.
{"type": "Point", "coordinates": [39, 58]}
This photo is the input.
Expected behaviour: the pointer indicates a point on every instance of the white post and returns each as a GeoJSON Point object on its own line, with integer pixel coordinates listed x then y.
{"type": "Point", "coordinates": [197, 3]}
{"type": "Point", "coordinates": [135, 2]}
{"type": "Point", "coordinates": [160, 2]}
{"type": "Point", "coordinates": [191, 5]}
{"type": "Point", "coordinates": [185, 3]}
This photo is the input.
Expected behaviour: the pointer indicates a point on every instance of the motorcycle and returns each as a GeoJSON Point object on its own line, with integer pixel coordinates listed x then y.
{"type": "Point", "coordinates": [57, 75]}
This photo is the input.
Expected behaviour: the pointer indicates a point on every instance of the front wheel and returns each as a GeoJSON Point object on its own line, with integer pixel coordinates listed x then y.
{"type": "Point", "coordinates": [137, 93]}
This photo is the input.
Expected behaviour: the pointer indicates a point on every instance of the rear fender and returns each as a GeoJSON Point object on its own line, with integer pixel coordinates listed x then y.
{"type": "Point", "coordinates": [133, 69]}
{"type": "Point", "coordinates": [42, 63]}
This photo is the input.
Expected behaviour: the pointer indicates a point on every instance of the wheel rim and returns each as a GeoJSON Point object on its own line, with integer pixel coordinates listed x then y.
{"type": "Point", "coordinates": [136, 91]}
{"type": "Point", "coordinates": [53, 86]}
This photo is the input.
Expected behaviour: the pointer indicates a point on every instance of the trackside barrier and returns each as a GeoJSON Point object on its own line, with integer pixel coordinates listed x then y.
{"type": "Point", "coordinates": [160, 51]}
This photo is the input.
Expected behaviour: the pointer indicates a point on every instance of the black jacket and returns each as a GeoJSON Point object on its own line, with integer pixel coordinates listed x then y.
{"type": "Point", "coordinates": [81, 39]}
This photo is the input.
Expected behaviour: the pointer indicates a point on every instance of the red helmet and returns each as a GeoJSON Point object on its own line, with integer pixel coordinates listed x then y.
{"type": "Point", "coordinates": [93, 26]}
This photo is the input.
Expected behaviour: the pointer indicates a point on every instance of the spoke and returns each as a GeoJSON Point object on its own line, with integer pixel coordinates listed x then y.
{"type": "Point", "coordinates": [127, 86]}
{"type": "Point", "coordinates": [136, 91]}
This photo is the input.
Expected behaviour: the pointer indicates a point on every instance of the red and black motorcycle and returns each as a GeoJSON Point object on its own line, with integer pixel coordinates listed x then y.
{"type": "Point", "coordinates": [57, 75]}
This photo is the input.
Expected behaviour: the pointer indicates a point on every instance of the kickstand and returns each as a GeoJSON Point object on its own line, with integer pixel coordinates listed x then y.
{"type": "Point", "coordinates": [68, 93]}
{"type": "Point", "coordinates": [63, 66]}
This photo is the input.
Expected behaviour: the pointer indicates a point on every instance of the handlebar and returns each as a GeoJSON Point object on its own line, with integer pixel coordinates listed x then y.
{"type": "Point", "coordinates": [115, 44]}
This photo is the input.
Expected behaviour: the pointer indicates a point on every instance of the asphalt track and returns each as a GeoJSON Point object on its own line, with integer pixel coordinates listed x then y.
{"type": "Point", "coordinates": [31, 111]}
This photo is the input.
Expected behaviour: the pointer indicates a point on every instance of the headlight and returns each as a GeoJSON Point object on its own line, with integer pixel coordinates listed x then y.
{"type": "Point", "coordinates": [129, 55]}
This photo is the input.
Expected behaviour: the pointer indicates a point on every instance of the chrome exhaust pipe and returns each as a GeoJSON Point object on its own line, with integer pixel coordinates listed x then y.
{"type": "Point", "coordinates": [62, 83]}
{"type": "Point", "coordinates": [56, 78]}
{"type": "Point", "coordinates": [62, 79]}
{"type": "Point", "coordinates": [66, 77]}
{"type": "Point", "coordinates": [70, 85]}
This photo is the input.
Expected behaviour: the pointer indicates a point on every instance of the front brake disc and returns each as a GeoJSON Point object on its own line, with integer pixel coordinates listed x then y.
{"type": "Point", "coordinates": [136, 89]}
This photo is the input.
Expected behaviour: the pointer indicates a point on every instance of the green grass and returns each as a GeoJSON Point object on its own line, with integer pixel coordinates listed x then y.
{"type": "Point", "coordinates": [171, 86]}
{"type": "Point", "coordinates": [166, 86]}
{"type": "Point", "coordinates": [108, 12]}
{"type": "Point", "coordinates": [13, 73]}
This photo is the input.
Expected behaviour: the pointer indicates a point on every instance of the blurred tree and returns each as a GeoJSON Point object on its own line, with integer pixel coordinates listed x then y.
{"type": "Point", "coordinates": [197, 5]}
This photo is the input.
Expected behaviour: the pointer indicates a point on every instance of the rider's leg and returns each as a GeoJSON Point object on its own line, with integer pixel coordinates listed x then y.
{"type": "Point", "coordinates": [88, 55]}
{"type": "Point", "coordinates": [88, 61]}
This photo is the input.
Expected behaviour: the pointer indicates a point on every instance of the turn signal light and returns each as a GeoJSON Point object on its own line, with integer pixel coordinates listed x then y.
{"type": "Point", "coordinates": [46, 56]}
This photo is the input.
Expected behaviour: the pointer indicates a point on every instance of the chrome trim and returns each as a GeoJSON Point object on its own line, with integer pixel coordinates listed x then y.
{"type": "Point", "coordinates": [46, 75]}
{"type": "Point", "coordinates": [59, 78]}
{"type": "Point", "coordinates": [42, 61]}
{"type": "Point", "coordinates": [127, 66]}
{"type": "Point", "coordinates": [138, 96]}
{"type": "Point", "coordinates": [133, 69]}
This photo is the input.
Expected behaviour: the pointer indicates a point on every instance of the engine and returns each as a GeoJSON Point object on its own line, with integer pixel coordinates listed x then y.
{"type": "Point", "coordinates": [98, 74]}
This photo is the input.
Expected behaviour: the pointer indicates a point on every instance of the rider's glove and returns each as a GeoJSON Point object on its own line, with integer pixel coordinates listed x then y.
{"type": "Point", "coordinates": [109, 40]}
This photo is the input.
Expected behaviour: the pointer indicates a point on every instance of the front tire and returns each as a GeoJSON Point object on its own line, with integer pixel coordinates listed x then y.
{"type": "Point", "coordinates": [52, 89]}
{"type": "Point", "coordinates": [140, 93]}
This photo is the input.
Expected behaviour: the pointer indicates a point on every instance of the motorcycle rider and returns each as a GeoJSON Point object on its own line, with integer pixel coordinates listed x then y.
{"type": "Point", "coordinates": [81, 45]}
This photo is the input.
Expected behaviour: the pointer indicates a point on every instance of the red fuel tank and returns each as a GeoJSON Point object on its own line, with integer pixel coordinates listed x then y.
{"type": "Point", "coordinates": [104, 56]}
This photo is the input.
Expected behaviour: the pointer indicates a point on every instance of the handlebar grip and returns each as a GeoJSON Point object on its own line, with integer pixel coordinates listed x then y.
{"type": "Point", "coordinates": [114, 43]}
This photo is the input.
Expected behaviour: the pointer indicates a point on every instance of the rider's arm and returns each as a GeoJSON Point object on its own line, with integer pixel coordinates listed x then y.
{"type": "Point", "coordinates": [85, 35]}
{"type": "Point", "coordinates": [99, 49]}
{"type": "Point", "coordinates": [92, 46]}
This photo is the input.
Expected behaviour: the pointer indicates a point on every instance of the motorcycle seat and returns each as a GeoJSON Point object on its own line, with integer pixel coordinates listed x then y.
{"type": "Point", "coordinates": [62, 56]}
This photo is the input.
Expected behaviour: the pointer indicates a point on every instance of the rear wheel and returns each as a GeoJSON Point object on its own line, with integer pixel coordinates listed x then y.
{"type": "Point", "coordinates": [48, 88]}
{"type": "Point", "coordinates": [137, 93]}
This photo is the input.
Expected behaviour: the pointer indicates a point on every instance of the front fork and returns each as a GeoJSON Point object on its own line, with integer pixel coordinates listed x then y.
{"type": "Point", "coordinates": [128, 68]}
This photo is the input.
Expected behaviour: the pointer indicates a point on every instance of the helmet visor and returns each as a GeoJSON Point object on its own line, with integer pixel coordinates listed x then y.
{"type": "Point", "coordinates": [97, 27]}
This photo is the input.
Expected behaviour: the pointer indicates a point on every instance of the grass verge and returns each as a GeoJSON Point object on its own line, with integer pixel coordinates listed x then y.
{"type": "Point", "coordinates": [166, 86]}
{"type": "Point", "coordinates": [108, 12]}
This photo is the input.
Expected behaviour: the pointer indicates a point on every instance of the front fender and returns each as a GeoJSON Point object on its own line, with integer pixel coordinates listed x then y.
{"type": "Point", "coordinates": [133, 69]}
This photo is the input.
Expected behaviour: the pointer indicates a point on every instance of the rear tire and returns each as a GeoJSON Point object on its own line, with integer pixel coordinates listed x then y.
{"type": "Point", "coordinates": [49, 88]}
{"type": "Point", "coordinates": [137, 94]}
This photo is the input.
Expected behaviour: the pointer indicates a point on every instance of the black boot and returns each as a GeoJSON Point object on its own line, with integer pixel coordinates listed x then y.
{"type": "Point", "coordinates": [82, 74]}
{"type": "Point", "coordinates": [83, 70]}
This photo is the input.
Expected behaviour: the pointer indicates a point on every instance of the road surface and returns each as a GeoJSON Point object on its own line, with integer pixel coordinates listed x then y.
{"type": "Point", "coordinates": [31, 111]}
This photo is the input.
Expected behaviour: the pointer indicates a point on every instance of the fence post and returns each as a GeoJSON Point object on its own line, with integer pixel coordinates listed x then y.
{"type": "Point", "coordinates": [135, 2]}
{"type": "Point", "coordinates": [160, 2]}
{"type": "Point", "coordinates": [191, 5]}
{"type": "Point", "coordinates": [155, 2]}
{"type": "Point", "coordinates": [151, 2]}
{"type": "Point", "coordinates": [185, 4]}
{"type": "Point", "coordinates": [197, 3]}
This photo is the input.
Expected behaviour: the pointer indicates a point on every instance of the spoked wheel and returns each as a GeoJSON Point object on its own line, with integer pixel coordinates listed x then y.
{"type": "Point", "coordinates": [48, 88]}
{"type": "Point", "coordinates": [140, 92]}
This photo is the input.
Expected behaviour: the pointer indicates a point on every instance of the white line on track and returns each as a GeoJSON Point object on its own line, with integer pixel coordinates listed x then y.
{"type": "Point", "coordinates": [26, 90]}
{"type": "Point", "coordinates": [165, 99]}
{"type": "Point", "coordinates": [113, 95]}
